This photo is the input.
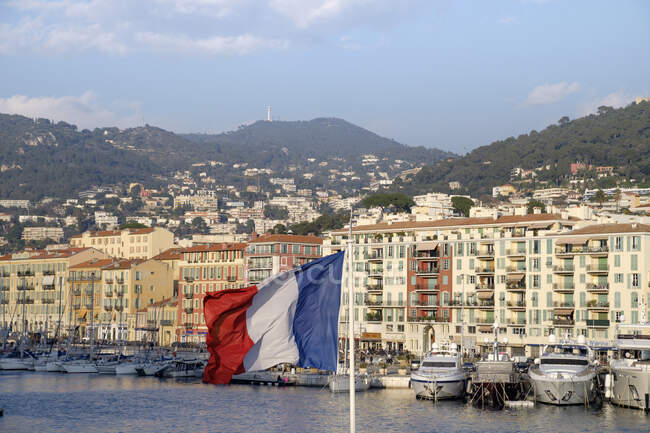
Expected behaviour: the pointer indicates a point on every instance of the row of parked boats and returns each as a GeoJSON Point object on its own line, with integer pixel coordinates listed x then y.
{"type": "Point", "coordinates": [566, 373]}
{"type": "Point", "coordinates": [60, 362]}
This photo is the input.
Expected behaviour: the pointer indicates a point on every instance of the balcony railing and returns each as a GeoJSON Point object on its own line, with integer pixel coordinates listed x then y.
{"type": "Point", "coordinates": [108, 293]}
{"type": "Point", "coordinates": [48, 286]}
{"type": "Point", "coordinates": [516, 304]}
{"type": "Point", "coordinates": [486, 304]}
{"type": "Point", "coordinates": [429, 270]}
{"type": "Point", "coordinates": [597, 304]}
{"type": "Point", "coordinates": [376, 272]}
{"type": "Point", "coordinates": [515, 321]}
{"type": "Point", "coordinates": [25, 301]}
{"type": "Point", "coordinates": [427, 288]}
{"type": "Point", "coordinates": [188, 325]}
{"type": "Point", "coordinates": [602, 287]}
{"type": "Point", "coordinates": [108, 281]}
{"type": "Point", "coordinates": [484, 287]}
{"type": "Point", "coordinates": [188, 294]}
{"type": "Point", "coordinates": [5, 274]}
{"type": "Point", "coordinates": [484, 270]}
{"type": "Point", "coordinates": [4, 288]}
{"type": "Point", "coordinates": [515, 252]}
{"type": "Point", "coordinates": [597, 268]}
{"type": "Point", "coordinates": [597, 322]}
{"type": "Point", "coordinates": [48, 272]}
{"type": "Point", "coordinates": [563, 322]}
{"type": "Point", "coordinates": [231, 279]}
{"type": "Point", "coordinates": [582, 250]}
{"type": "Point", "coordinates": [166, 322]}
{"type": "Point", "coordinates": [119, 280]}
{"type": "Point", "coordinates": [47, 300]}
{"type": "Point", "coordinates": [375, 257]}
{"type": "Point", "coordinates": [564, 304]}
{"type": "Point", "coordinates": [516, 269]}
{"type": "Point", "coordinates": [563, 287]}
{"type": "Point", "coordinates": [427, 319]}
{"type": "Point", "coordinates": [563, 268]}
{"type": "Point", "coordinates": [373, 317]}
{"type": "Point", "coordinates": [108, 307]}
{"type": "Point", "coordinates": [486, 253]}
{"type": "Point", "coordinates": [426, 304]}
{"type": "Point", "coordinates": [27, 273]}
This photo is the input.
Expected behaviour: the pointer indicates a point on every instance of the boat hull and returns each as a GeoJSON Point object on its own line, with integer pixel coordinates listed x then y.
{"type": "Point", "coordinates": [79, 368]}
{"type": "Point", "coordinates": [126, 368]}
{"type": "Point", "coordinates": [565, 391]}
{"type": "Point", "coordinates": [631, 387]}
{"type": "Point", "coordinates": [432, 387]}
{"type": "Point", "coordinates": [341, 383]}
{"type": "Point", "coordinates": [54, 367]}
{"type": "Point", "coordinates": [16, 364]}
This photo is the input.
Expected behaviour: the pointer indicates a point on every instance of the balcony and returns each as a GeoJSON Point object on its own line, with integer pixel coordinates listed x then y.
{"type": "Point", "coordinates": [598, 323]}
{"type": "Point", "coordinates": [118, 307]}
{"type": "Point", "coordinates": [516, 269]}
{"type": "Point", "coordinates": [188, 310]}
{"type": "Point", "coordinates": [47, 300]}
{"type": "Point", "coordinates": [563, 269]}
{"type": "Point", "coordinates": [516, 305]}
{"type": "Point", "coordinates": [430, 270]}
{"type": "Point", "coordinates": [231, 279]}
{"type": "Point", "coordinates": [4, 301]}
{"type": "Point", "coordinates": [108, 281]}
{"type": "Point", "coordinates": [25, 287]}
{"type": "Point", "coordinates": [596, 305]}
{"type": "Point", "coordinates": [119, 292]}
{"type": "Point", "coordinates": [425, 256]}
{"type": "Point", "coordinates": [166, 322]}
{"type": "Point", "coordinates": [5, 274]}
{"type": "Point", "coordinates": [516, 322]}
{"type": "Point", "coordinates": [108, 307]}
{"type": "Point", "coordinates": [598, 288]}
{"type": "Point", "coordinates": [485, 254]}
{"type": "Point", "coordinates": [4, 288]}
{"type": "Point", "coordinates": [76, 305]}
{"type": "Point", "coordinates": [188, 294]}
{"type": "Point", "coordinates": [426, 288]}
{"type": "Point", "coordinates": [563, 288]}
{"type": "Point", "coordinates": [48, 272]}
{"type": "Point", "coordinates": [563, 322]}
{"type": "Point", "coordinates": [375, 257]}
{"type": "Point", "coordinates": [484, 270]}
{"type": "Point", "coordinates": [424, 304]}
{"type": "Point", "coordinates": [376, 273]}
{"type": "Point", "coordinates": [427, 319]}
{"type": "Point", "coordinates": [27, 273]}
{"type": "Point", "coordinates": [108, 293]}
{"type": "Point", "coordinates": [516, 252]}
{"type": "Point", "coordinates": [119, 280]}
{"type": "Point", "coordinates": [48, 286]}
{"type": "Point", "coordinates": [597, 269]}
{"type": "Point", "coordinates": [484, 320]}
{"type": "Point", "coordinates": [484, 287]}
{"type": "Point", "coordinates": [188, 325]}
{"type": "Point", "coordinates": [486, 305]}
{"type": "Point", "coordinates": [373, 317]}
{"type": "Point", "coordinates": [25, 301]}
{"type": "Point", "coordinates": [564, 304]}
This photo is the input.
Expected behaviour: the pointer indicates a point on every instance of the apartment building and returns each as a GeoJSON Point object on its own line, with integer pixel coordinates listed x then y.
{"type": "Point", "coordinates": [206, 268]}
{"type": "Point", "coordinates": [42, 233]}
{"type": "Point", "coordinates": [128, 243]}
{"type": "Point", "coordinates": [271, 254]}
{"type": "Point", "coordinates": [34, 291]}
{"type": "Point", "coordinates": [86, 283]}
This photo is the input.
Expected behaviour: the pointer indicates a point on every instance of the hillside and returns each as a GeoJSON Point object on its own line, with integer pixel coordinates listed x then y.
{"type": "Point", "coordinates": [613, 137]}
{"type": "Point", "coordinates": [271, 144]}
{"type": "Point", "coordinates": [39, 158]}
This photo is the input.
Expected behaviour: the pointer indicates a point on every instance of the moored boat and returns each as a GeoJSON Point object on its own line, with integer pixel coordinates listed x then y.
{"type": "Point", "coordinates": [628, 385]}
{"type": "Point", "coordinates": [440, 374]}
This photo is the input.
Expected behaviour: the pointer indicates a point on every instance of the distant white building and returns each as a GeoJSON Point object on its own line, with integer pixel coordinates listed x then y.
{"type": "Point", "coordinates": [42, 233]}
{"type": "Point", "coordinates": [105, 218]}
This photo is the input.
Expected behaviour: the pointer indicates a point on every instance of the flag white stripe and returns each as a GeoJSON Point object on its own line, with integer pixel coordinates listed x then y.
{"type": "Point", "coordinates": [269, 322]}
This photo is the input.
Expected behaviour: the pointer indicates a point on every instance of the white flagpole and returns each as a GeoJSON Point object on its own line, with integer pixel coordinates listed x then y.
{"type": "Point", "coordinates": [351, 329]}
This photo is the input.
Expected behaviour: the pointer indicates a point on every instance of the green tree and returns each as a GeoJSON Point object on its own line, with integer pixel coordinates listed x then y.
{"type": "Point", "coordinates": [397, 200]}
{"type": "Point", "coordinates": [199, 226]}
{"type": "Point", "coordinates": [279, 229]}
{"type": "Point", "coordinates": [276, 213]}
{"type": "Point", "coordinates": [132, 225]}
{"type": "Point", "coordinates": [533, 203]}
{"type": "Point", "coordinates": [462, 205]}
{"type": "Point", "coordinates": [599, 197]}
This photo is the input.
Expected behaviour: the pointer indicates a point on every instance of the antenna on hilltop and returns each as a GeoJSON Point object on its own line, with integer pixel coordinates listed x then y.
{"type": "Point", "coordinates": [268, 113]}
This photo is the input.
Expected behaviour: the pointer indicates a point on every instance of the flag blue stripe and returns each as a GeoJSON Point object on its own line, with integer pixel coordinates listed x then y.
{"type": "Point", "coordinates": [315, 324]}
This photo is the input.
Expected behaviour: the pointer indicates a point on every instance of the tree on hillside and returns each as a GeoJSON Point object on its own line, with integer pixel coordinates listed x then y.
{"type": "Point", "coordinates": [279, 229]}
{"type": "Point", "coordinates": [533, 203]}
{"type": "Point", "coordinates": [599, 197]}
{"type": "Point", "coordinates": [462, 204]}
{"type": "Point", "coordinates": [132, 225]}
{"type": "Point", "coordinates": [397, 200]}
{"type": "Point", "coordinates": [617, 198]}
{"type": "Point", "coordinates": [199, 226]}
{"type": "Point", "coordinates": [276, 213]}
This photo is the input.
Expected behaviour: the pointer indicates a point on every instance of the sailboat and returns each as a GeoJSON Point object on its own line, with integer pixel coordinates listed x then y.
{"type": "Point", "coordinates": [340, 381]}
{"type": "Point", "coordinates": [85, 365]}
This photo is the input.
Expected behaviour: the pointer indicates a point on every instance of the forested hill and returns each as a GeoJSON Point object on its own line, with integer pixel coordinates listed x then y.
{"type": "Point", "coordinates": [612, 137]}
{"type": "Point", "coordinates": [39, 158]}
{"type": "Point", "coordinates": [270, 143]}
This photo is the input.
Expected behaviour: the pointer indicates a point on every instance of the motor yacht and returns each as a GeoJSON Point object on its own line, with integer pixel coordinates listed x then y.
{"type": "Point", "coordinates": [441, 374]}
{"type": "Point", "coordinates": [628, 384]}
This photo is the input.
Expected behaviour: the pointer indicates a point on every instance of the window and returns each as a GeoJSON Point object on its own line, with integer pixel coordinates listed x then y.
{"type": "Point", "coordinates": [618, 243]}
{"type": "Point", "coordinates": [445, 264]}
{"type": "Point", "coordinates": [617, 261]}
{"type": "Point", "coordinates": [635, 281]}
{"type": "Point", "coordinates": [636, 243]}
{"type": "Point", "coordinates": [618, 278]}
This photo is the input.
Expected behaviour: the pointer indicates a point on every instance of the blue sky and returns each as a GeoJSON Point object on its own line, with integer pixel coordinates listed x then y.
{"type": "Point", "coordinates": [446, 74]}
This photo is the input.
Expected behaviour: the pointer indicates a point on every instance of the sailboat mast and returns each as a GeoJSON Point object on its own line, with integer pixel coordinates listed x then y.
{"type": "Point", "coordinates": [92, 314]}
{"type": "Point", "coordinates": [351, 326]}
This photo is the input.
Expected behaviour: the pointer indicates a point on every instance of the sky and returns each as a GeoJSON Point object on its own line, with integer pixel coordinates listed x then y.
{"type": "Point", "coordinates": [448, 74]}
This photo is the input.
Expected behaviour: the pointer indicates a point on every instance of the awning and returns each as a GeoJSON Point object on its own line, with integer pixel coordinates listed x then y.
{"type": "Point", "coordinates": [485, 295]}
{"type": "Point", "coordinates": [426, 246]}
{"type": "Point", "coordinates": [48, 280]}
{"type": "Point", "coordinates": [563, 311]}
{"type": "Point", "coordinates": [373, 336]}
{"type": "Point", "coordinates": [513, 278]}
{"type": "Point", "coordinates": [598, 238]}
{"type": "Point", "coordinates": [485, 328]}
{"type": "Point", "coordinates": [539, 225]}
{"type": "Point", "coordinates": [571, 241]}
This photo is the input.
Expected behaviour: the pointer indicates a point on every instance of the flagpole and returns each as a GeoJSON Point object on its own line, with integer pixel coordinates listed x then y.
{"type": "Point", "coordinates": [351, 368]}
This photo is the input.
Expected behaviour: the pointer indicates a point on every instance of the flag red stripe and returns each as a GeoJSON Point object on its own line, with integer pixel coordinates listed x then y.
{"type": "Point", "coordinates": [227, 338]}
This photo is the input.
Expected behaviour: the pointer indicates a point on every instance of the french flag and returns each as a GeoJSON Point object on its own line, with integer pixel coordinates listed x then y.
{"type": "Point", "coordinates": [291, 317]}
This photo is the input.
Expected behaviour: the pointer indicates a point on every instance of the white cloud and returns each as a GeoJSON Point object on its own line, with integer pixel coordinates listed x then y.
{"type": "Point", "coordinates": [215, 8]}
{"type": "Point", "coordinates": [88, 38]}
{"type": "Point", "coordinates": [241, 44]}
{"type": "Point", "coordinates": [84, 110]}
{"type": "Point", "coordinates": [507, 20]}
{"type": "Point", "coordinates": [615, 99]}
{"type": "Point", "coordinates": [550, 93]}
{"type": "Point", "coordinates": [305, 12]}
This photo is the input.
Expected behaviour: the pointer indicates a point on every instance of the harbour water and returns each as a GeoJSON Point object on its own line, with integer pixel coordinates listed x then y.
{"type": "Point", "coordinates": [46, 402]}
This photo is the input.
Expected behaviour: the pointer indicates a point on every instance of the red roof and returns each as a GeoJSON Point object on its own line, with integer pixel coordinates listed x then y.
{"type": "Point", "coordinates": [170, 254]}
{"type": "Point", "coordinates": [94, 263]}
{"type": "Point", "coordinates": [215, 247]}
{"type": "Point", "coordinates": [298, 239]}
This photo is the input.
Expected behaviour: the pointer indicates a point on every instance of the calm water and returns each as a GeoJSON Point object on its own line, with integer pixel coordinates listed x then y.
{"type": "Point", "coordinates": [42, 402]}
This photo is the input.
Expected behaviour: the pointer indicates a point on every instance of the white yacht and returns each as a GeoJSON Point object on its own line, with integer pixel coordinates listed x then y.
{"type": "Point", "coordinates": [18, 360]}
{"type": "Point", "coordinates": [629, 382]}
{"type": "Point", "coordinates": [565, 374]}
{"type": "Point", "coordinates": [340, 382]}
{"type": "Point", "coordinates": [441, 374]}
{"type": "Point", "coordinates": [79, 366]}
{"type": "Point", "coordinates": [184, 368]}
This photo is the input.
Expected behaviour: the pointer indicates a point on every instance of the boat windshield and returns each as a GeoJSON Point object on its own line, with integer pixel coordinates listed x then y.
{"type": "Point", "coordinates": [570, 350]}
{"type": "Point", "coordinates": [564, 361]}
{"type": "Point", "coordinates": [439, 364]}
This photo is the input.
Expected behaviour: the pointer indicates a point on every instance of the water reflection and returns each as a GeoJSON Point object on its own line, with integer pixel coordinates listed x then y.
{"type": "Point", "coordinates": [94, 403]}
